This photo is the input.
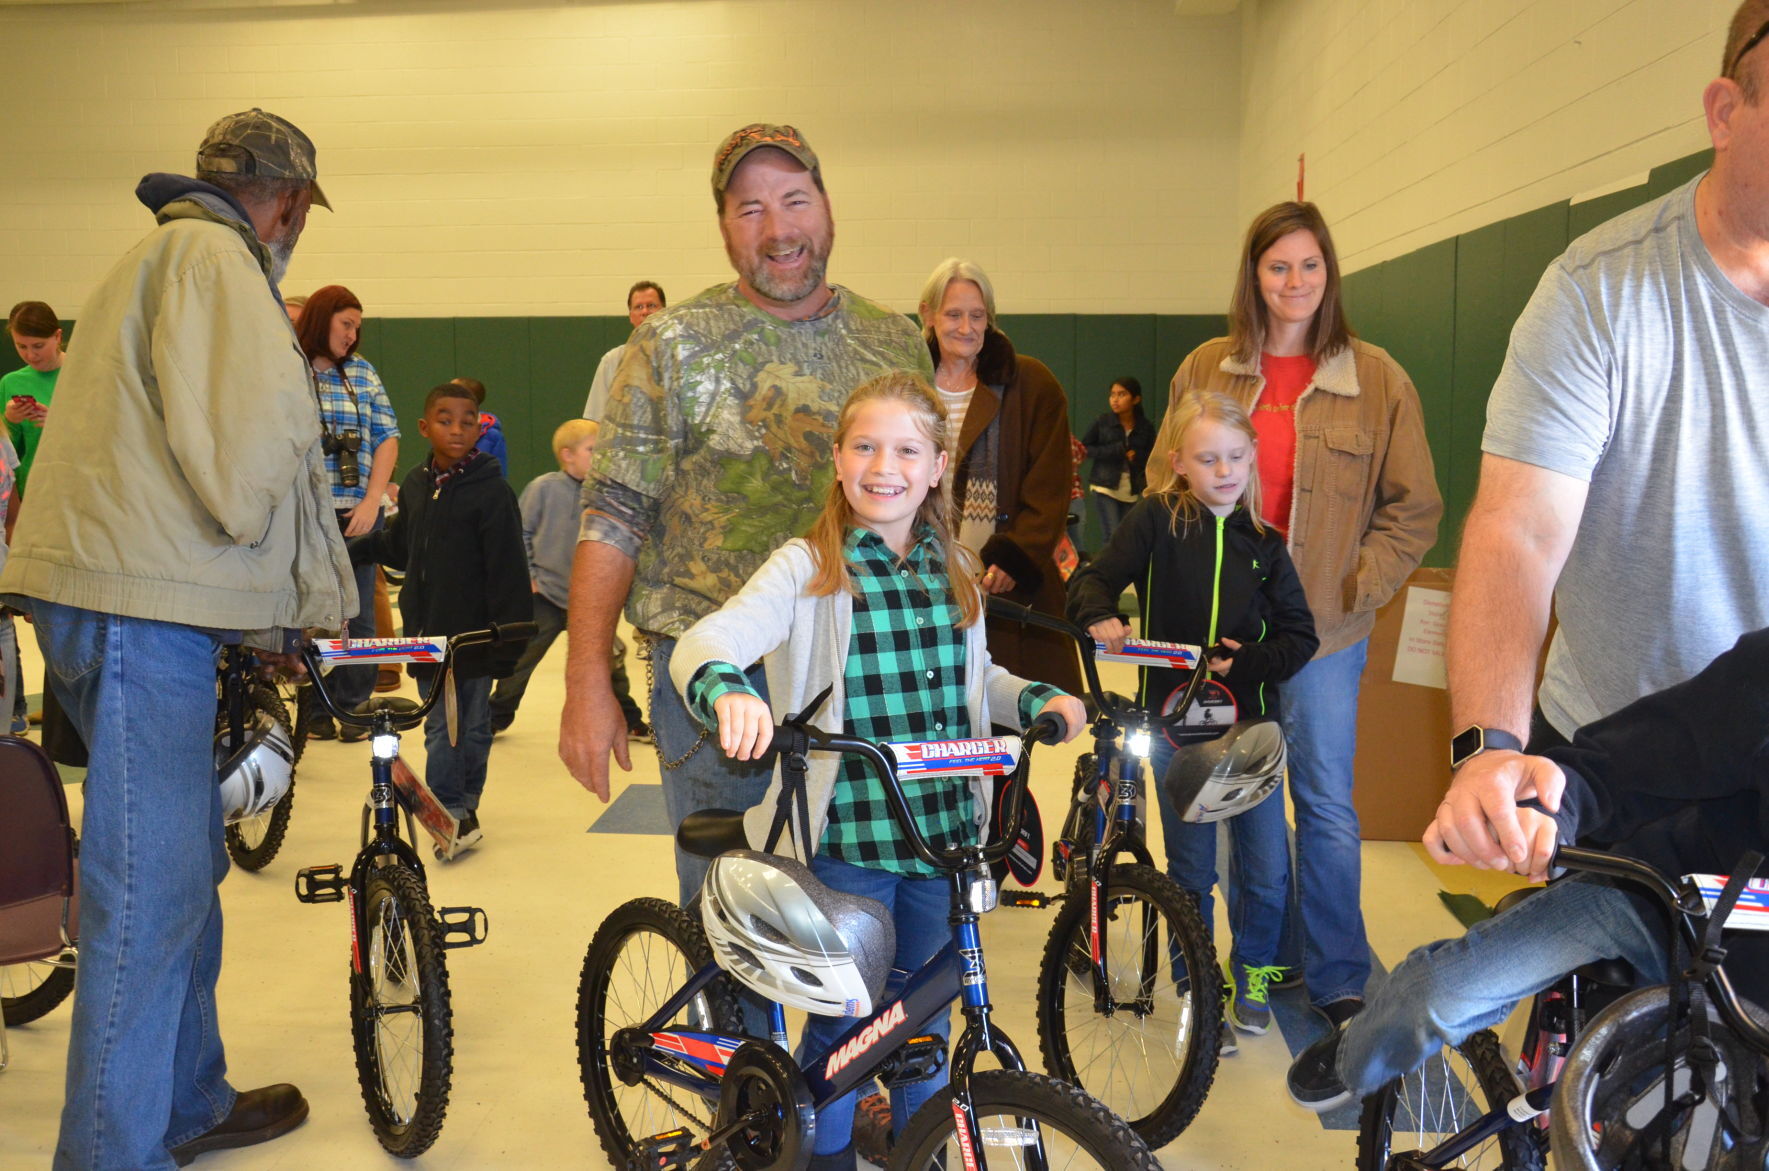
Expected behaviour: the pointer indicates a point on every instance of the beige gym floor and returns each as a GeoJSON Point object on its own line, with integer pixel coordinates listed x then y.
{"type": "Point", "coordinates": [546, 883]}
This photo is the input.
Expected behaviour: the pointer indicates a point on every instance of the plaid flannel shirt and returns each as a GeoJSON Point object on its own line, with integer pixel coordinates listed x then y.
{"type": "Point", "coordinates": [351, 398]}
{"type": "Point", "coordinates": [903, 679]}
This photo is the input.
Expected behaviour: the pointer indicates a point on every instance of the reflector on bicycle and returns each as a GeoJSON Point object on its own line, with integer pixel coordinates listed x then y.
{"type": "Point", "coordinates": [430, 812]}
{"type": "Point", "coordinates": [363, 651]}
{"type": "Point", "coordinates": [1750, 913]}
{"type": "Point", "coordinates": [1146, 652]}
{"type": "Point", "coordinates": [991, 757]}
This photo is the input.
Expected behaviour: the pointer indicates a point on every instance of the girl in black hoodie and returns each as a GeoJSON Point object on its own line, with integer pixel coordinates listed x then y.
{"type": "Point", "coordinates": [1208, 571]}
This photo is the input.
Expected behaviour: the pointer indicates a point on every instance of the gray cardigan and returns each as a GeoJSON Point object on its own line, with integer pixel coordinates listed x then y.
{"type": "Point", "coordinates": [802, 641]}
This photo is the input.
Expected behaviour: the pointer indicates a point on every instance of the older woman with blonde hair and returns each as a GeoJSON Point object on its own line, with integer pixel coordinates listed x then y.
{"type": "Point", "coordinates": [1347, 476]}
{"type": "Point", "coordinates": [1011, 469]}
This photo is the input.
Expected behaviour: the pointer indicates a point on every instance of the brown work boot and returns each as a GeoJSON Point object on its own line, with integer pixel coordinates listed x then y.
{"type": "Point", "coordinates": [257, 1117]}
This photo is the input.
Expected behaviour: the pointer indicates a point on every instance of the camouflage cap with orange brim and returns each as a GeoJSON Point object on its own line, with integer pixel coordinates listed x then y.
{"type": "Point", "coordinates": [756, 135]}
{"type": "Point", "coordinates": [265, 146]}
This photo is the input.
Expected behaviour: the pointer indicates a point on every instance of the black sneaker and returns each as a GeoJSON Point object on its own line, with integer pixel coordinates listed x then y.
{"type": "Point", "coordinates": [322, 730]}
{"type": "Point", "coordinates": [1338, 1012]}
{"type": "Point", "coordinates": [469, 834]}
{"type": "Point", "coordinates": [351, 734]}
{"type": "Point", "coordinates": [1227, 1044]}
{"type": "Point", "coordinates": [1314, 1077]}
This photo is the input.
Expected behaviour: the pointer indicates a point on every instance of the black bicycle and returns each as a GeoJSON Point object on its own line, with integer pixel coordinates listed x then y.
{"type": "Point", "coordinates": [401, 1024]}
{"type": "Point", "coordinates": [1129, 993]}
{"type": "Point", "coordinates": [252, 842]}
{"type": "Point", "coordinates": [669, 1074]}
{"type": "Point", "coordinates": [1467, 1108]}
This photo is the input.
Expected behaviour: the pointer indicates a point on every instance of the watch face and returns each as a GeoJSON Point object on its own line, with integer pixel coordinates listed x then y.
{"type": "Point", "coordinates": [1467, 742]}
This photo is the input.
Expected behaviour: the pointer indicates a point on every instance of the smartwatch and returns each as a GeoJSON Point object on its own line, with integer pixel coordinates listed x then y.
{"type": "Point", "coordinates": [1473, 740]}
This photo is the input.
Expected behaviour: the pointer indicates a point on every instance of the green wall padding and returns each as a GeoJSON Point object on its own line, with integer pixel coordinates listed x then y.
{"type": "Point", "coordinates": [1445, 312]}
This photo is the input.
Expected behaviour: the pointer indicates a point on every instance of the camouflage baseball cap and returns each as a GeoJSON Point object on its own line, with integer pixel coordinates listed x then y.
{"type": "Point", "coordinates": [253, 142]}
{"type": "Point", "coordinates": [753, 137]}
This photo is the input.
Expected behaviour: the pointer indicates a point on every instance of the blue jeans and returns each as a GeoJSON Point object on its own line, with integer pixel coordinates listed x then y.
{"type": "Point", "coordinates": [456, 773]}
{"type": "Point", "coordinates": [549, 621]}
{"type": "Point", "coordinates": [919, 907]}
{"type": "Point", "coordinates": [1111, 512]}
{"type": "Point", "coordinates": [1444, 991]}
{"type": "Point", "coordinates": [1318, 708]}
{"type": "Point", "coordinates": [350, 686]}
{"type": "Point", "coordinates": [146, 1069]}
{"type": "Point", "coordinates": [707, 779]}
{"type": "Point", "coordinates": [1259, 868]}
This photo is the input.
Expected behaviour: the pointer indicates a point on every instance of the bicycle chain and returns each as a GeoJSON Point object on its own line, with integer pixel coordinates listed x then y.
{"type": "Point", "coordinates": [677, 1106]}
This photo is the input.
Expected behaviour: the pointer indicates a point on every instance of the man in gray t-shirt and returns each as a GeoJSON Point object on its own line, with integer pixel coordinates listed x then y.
{"type": "Point", "coordinates": [1625, 469]}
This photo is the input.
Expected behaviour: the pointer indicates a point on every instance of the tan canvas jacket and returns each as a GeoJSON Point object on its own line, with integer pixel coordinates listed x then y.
{"type": "Point", "coordinates": [180, 478]}
{"type": "Point", "coordinates": [1366, 505]}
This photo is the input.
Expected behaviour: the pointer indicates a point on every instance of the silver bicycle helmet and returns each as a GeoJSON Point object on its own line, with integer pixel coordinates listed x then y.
{"type": "Point", "coordinates": [1228, 775]}
{"type": "Point", "coordinates": [780, 931]}
{"type": "Point", "coordinates": [255, 776]}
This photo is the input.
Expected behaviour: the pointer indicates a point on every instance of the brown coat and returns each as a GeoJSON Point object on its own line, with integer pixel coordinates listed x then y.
{"type": "Point", "coordinates": [1034, 476]}
{"type": "Point", "coordinates": [1366, 505]}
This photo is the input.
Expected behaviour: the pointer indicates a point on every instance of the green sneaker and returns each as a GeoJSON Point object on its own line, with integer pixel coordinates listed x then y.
{"type": "Point", "coordinates": [1247, 1007]}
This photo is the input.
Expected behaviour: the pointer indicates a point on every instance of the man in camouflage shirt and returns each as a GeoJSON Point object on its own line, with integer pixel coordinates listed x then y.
{"type": "Point", "coordinates": [716, 447]}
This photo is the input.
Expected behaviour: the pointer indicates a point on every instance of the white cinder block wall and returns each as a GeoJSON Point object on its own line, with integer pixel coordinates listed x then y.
{"type": "Point", "coordinates": [1422, 119]}
{"type": "Point", "coordinates": [491, 157]}
{"type": "Point", "coordinates": [496, 158]}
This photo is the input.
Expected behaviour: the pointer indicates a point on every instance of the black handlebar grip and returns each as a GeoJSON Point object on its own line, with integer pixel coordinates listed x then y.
{"type": "Point", "coordinates": [1048, 727]}
{"type": "Point", "coordinates": [513, 632]}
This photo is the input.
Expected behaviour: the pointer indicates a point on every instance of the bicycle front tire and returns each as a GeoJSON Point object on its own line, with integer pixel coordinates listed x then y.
{"type": "Point", "coordinates": [1435, 1102]}
{"type": "Point", "coordinates": [1168, 1016]}
{"type": "Point", "coordinates": [401, 1023]}
{"type": "Point", "coordinates": [1016, 1110]}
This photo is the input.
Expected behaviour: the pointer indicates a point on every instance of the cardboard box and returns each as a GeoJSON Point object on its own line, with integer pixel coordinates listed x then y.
{"type": "Point", "coordinates": [1403, 727]}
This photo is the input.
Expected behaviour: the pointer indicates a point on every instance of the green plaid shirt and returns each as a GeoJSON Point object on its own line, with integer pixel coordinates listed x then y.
{"type": "Point", "coordinates": [904, 679]}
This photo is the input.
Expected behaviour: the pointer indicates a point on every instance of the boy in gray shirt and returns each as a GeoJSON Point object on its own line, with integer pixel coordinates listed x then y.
{"type": "Point", "coordinates": [550, 516]}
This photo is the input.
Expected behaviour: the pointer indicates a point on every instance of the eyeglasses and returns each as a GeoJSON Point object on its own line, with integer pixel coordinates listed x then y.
{"type": "Point", "coordinates": [1752, 43]}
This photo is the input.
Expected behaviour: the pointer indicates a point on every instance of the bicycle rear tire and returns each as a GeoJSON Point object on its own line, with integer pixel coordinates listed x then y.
{"type": "Point", "coordinates": [401, 1023]}
{"type": "Point", "coordinates": [641, 955]}
{"type": "Point", "coordinates": [253, 842]}
{"type": "Point", "coordinates": [1424, 1108]}
{"type": "Point", "coordinates": [1173, 1028]}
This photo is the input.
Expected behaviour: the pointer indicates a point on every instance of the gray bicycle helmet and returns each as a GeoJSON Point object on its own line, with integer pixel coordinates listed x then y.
{"type": "Point", "coordinates": [257, 775]}
{"type": "Point", "coordinates": [780, 931]}
{"type": "Point", "coordinates": [1228, 775]}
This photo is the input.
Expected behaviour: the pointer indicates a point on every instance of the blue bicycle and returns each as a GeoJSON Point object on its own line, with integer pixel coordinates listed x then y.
{"type": "Point", "coordinates": [670, 1077]}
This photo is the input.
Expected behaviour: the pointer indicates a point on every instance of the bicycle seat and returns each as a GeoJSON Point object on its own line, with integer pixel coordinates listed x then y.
{"type": "Point", "coordinates": [397, 704]}
{"type": "Point", "coordinates": [710, 832]}
{"type": "Point", "coordinates": [1616, 973]}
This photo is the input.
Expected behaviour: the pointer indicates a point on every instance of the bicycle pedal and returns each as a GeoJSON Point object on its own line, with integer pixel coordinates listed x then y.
{"type": "Point", "coordinates": [463, 926]}
{"type": "Point", "coordinates": [919, 1059]}
{"type": "Point", "coordinates": [673, 1150]}
{"type": "Point", "coordinates": [321, 884]}
{"type": "Point", "coordinates": [1035, 899]}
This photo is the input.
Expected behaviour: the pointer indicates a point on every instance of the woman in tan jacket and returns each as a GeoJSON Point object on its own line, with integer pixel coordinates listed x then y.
{"type": "Point", "coordinates": [1347, 476]}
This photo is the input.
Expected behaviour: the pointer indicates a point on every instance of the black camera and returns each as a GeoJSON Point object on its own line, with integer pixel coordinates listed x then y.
{"type": "Point", "coordinates": [344, 444]}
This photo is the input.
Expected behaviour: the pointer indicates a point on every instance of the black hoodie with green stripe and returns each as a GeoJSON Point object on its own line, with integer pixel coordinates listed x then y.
{"type": "Point", "coordinates": [1214, 578]}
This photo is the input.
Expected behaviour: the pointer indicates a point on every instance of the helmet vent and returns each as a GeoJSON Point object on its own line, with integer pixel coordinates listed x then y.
{"type": "Point", "coordinates": [808, 977]}
{"type": "Point", "coordinates": [768, 931]}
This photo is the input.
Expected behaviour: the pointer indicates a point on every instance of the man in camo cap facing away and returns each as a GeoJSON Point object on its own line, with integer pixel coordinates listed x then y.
{"type": "Point", "coordinates": [209, 522]}
{"type": "Point", "coordinates": [716, 448]}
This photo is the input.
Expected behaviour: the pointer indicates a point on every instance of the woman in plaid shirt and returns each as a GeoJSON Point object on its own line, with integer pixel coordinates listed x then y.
{"type": "Point", "coordinates": [879, 603]}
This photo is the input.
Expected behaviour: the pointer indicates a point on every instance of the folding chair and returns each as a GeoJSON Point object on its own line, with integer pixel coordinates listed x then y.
{"type": "Point", "coordinates": [39, 896]}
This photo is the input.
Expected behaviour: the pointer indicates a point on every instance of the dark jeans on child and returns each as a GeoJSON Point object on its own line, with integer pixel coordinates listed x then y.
{"type": "Point", "coordinates": [456, 773]}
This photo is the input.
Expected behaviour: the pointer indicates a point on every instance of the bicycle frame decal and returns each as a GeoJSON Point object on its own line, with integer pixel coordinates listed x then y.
{"type": "Point", "coordinates": [963, 1129]}
{"type": "Point", "coordinates": [355, 944]}
{"type": "Point", "coordinates": [1750, 913]}
{"type": "Point", "coordinates": [874, 1032]}
{"type": "Point", "coordinates": [709, 1051]}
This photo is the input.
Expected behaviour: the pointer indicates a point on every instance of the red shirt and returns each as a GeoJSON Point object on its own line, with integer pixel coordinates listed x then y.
{"type": "Point", "coordinates": [1274, 421]}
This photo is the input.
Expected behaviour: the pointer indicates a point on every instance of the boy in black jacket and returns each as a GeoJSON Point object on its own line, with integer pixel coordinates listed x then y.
{"type": "Point", "coordinates": [458, 536]}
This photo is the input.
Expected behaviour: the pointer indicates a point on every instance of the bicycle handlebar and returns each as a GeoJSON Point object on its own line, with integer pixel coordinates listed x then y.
{"type": "Point", "coordinates": [796, 736]}
{"type": "Point", "coordinates": [494, 635]}
{"type": "Point", "coordinates": [998, 607]}
{"type": "Point", "coordinates": [1686, 905]}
